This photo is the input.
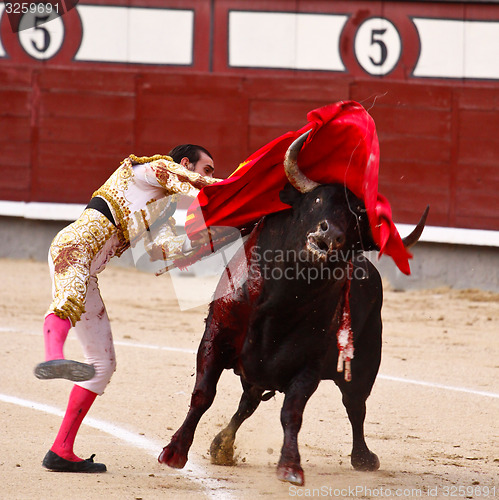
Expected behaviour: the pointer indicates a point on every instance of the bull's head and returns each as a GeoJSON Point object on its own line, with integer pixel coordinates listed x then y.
{"type": "Point", "coordinates": [332, 217]}
{"type": "Point", "coordinates": [328, 222]}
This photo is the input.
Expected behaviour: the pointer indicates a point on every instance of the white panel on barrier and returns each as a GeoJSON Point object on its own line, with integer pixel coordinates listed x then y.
{"type": "Point", "coordinates": [458, 49]}
{"type": "Point", "coordinates": [285, 40]}
{"type": "Point", "coordinates": [441, 48]}
{"type": "Point", "coordinates": [481, 50]}
{"type": "Point", "coordinates": [2, 50]}
{"type": "Point", "coordinates": [162, 36]}
{"type": "Point", "coordinates": [136, 35]}
{"type": "Point", "coordinates": [105, 33]}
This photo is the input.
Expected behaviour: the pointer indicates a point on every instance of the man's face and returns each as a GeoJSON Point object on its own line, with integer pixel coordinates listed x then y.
{"type": "Point", "coordinates": [203, 166]}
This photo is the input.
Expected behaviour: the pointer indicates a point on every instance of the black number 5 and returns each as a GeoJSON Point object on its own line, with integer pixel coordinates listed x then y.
{"type": "Point", "coordinates": [46, 34]}
{"type": "Point", "coordinates": [376, 39]}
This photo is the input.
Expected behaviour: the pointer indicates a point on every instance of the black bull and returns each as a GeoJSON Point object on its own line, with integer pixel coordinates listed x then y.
{"type": "Point", "coordinates": [278, 328]}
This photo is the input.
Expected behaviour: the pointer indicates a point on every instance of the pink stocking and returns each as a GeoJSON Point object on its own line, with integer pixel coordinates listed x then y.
{"type": "Point", "coordinates": [55, 332]}
{"type": "Point", "coordinates": [80, 401]}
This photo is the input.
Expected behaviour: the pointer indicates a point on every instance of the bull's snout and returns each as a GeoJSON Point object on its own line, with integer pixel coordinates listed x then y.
{"type": "Point", "coordinates": [326, 238]}
{"type": "Point", "coordinates": [332, 234]}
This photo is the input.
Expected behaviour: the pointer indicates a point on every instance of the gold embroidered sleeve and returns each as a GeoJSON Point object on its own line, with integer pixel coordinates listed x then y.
{"type": "Point", "coordinates": [177, 179]}
{"type": "Point", "coordinates": [167, 245]}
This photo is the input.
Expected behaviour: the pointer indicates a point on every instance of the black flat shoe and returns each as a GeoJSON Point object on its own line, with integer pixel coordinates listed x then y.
{"type": "Point", "coordinates": [54, 462]}
{"type": "Point", "coordinates": [64, 368]}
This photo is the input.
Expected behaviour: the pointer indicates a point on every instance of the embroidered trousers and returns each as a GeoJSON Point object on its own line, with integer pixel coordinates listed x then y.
{"type": "Point", "coordinates": [77, 254]}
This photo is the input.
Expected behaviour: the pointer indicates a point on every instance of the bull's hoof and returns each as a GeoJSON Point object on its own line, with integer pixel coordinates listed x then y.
{"type": "Point", "coordinates": [367, 461]}
{"type": "Point", "coordinates": [222, 450]}
{"type": "Point", "coordinates": [293, 475]}
{"type": "Point", "coordinates": [171, 457]}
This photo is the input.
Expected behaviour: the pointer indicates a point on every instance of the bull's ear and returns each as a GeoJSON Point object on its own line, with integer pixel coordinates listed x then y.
{"type": "Point", "coordinates": [366, 238]}
{"type": "Point", "coordinates": [368, 242]}
{"type": "Point", "coordinates": [289, 195]}
{"type": "Point", "coordinates": [357, 207]}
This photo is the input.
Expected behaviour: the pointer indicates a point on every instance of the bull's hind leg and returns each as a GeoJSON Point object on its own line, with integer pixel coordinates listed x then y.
{"type": "Point", "coordinates": [210, 364]}
{"type": "Point", "coordinates": [222, 446]}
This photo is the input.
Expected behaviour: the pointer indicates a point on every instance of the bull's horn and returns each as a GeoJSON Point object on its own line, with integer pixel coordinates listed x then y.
{"type": "Point", "coordinates": [295, 176]}
{"type": "Point", "coordinates": [412, 238]}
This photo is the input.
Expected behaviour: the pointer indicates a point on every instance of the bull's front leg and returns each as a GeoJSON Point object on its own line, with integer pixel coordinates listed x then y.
{"type": "Point", "coordinates": [296, 397]}
{"type": "Point", "coordinates": [366, 303]}
{"type": "Point", "coordinates": [355, 394]}
{"type": "Point", "coordinates": [362, 458]}
{"type": "Point", "coordinates": [365, 367]}
{"type": "Point", "coordinates": [209, 368]}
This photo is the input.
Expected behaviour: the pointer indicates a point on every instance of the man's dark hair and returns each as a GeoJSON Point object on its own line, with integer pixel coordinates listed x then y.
{"type": "Point", "coordinates": [191, 151]}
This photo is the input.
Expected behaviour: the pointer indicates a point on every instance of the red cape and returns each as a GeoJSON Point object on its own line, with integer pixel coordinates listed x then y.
{"type": "Point", "coordinates": [342, 148]}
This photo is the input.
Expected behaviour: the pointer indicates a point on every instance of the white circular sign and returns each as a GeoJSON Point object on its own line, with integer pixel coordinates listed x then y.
{"type": "Point", "coordinates": [41, 33]}
{"type": "Point", "coordinates": [377, 46]}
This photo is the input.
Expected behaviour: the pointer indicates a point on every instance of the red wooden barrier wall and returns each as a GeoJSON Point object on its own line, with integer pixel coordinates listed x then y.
{"type": "Point", "coordinates": [65, 125]}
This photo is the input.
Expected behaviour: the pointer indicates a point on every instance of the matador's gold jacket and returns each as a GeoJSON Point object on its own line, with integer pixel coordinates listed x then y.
{"type": "Point", "coordinates": [138, 192]}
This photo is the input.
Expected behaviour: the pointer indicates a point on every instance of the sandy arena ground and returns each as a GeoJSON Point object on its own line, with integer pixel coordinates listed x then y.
{"type": "Point", "coordinates": [433, 416]}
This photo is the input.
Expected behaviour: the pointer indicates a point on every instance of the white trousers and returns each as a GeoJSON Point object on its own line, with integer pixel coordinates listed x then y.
{"type": "Point", "coordinates": [93, 329]}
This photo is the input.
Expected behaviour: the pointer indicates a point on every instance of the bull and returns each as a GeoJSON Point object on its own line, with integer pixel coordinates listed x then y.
{"type": "Point", "coordinates": [308, 313]}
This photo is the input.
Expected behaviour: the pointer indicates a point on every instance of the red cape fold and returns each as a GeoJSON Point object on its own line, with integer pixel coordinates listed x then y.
{"type": "Point", "coordinates": [341, 148]}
